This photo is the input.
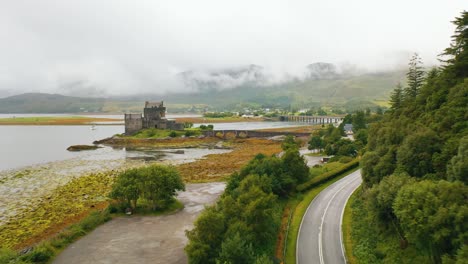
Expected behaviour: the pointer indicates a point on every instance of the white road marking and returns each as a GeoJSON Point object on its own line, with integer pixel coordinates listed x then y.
{"type": "Point", "coordinates": [323, 218]}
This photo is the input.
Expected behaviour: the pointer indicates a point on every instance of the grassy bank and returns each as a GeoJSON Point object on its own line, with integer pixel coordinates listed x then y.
{"type": "Point", "coordinates": [347, 229]}
{"type": "Point", "coordinates": [55, 120]}
{"type": "Point", "coordinates": [300, 204]}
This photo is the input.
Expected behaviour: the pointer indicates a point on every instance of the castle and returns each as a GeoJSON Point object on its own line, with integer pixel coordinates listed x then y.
{"type": "Point", "coordinates": [154, 116]}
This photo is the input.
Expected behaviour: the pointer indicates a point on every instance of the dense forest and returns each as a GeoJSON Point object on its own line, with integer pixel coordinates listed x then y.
{"type": "Point", "coordinates": [242, 226]}
{"type": "Point", "coordinates": [413, 206]}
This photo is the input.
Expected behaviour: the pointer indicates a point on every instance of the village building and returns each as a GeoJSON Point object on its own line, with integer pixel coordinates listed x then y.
{"type": "Point", "coordinates": [154, 116]}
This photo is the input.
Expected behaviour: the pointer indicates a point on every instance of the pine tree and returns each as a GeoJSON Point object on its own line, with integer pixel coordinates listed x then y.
{"type": "Point", "coordinates": [396, 97]}
{"type": "Point", "coordinates": [457, 64]}
{"type": "Point", "coordinates": [415, 77]}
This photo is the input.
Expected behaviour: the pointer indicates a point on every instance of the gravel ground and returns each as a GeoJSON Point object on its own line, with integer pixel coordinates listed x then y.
{"type": "Point", "coordinates": [144, 239]}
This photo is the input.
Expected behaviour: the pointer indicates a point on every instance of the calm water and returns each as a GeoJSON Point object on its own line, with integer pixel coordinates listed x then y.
{"type": "Point", "coordinates": [29, 145]}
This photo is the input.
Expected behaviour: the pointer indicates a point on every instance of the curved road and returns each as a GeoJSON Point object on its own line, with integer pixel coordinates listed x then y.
{"type": "Point", "coordinates": [319, 239]}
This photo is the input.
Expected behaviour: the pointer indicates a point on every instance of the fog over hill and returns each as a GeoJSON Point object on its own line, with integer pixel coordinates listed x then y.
{"type": "Point", "coordinates": [123, 48]}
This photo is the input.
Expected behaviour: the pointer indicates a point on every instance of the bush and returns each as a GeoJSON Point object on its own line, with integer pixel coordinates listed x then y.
{"type": "Point", "coordinates": [94, 219]}
{"type": "Point", "coordinates": [173, 134]}
{"type": "Point", "coordinates": [154, 186]}
{"type": "Point", "coordinates": [345, 159]}
{"type": "Point", "coordinates": [7, 255]}
{"type": "Point", "coordinates": [327, 176]}
{"type": "Point", "coordinates": [41, 254]}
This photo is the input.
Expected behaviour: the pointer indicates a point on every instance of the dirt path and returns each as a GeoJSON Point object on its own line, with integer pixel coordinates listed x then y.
{"type": "Point", "coordinates": [147, 239]}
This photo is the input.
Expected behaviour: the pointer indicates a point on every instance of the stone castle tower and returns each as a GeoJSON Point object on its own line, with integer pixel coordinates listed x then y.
{"type": "Point", "coordinates": [154, 116]}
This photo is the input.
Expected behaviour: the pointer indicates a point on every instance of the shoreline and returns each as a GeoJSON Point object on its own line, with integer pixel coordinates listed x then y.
{"type": "Point", "coordinates": [83, 190]}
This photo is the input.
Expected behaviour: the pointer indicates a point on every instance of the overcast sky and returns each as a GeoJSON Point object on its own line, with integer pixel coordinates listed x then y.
{"type": "Point", "coordinates": [88, 47]}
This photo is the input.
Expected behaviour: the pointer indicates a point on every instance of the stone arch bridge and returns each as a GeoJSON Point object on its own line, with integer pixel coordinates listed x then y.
{"type": "Point", "coordinates": [250, 134]}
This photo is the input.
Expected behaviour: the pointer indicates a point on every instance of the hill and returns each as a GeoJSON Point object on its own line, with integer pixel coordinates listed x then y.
{"type": "Point", "coordinates": [233, 89]}
{"type": "Point", "coordinates": [49, 103]}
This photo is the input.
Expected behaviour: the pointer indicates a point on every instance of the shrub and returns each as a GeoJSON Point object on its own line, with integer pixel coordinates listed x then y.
{"type": "Point", "coordinates": [173, 134]}
{"type": "Point", "coordinates": [345, 159]}
{"type": "Point", "coordinates": [7, 255]}
{"type": "Point", "coordinates": [94, 219]}
{"type": "Point", "coordinates": [327, 176]}
{"type": "Point", "coordinates": [41, 254]}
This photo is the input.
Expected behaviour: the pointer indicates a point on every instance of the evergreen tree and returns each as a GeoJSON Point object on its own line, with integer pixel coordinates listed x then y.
{"type": "Point", "coordinates": [415, 77]}
{"type": "Point", "coordinates": [396, 97]}
{"type": "Point", "coordinates": [457, 64]}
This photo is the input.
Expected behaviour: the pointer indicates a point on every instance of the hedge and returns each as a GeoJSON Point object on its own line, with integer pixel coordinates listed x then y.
{"type": "Point", "coordinates": [327, 176]}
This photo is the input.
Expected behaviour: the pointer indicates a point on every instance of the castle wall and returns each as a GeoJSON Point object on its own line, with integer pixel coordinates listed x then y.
{"type": "Point", "coordinates": [133, 123]}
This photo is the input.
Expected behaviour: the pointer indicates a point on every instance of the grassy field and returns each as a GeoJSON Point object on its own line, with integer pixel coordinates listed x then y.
{"type": "Point", "coordinates": [54, 120]}
{"type": "Point", "coordinates": [164, 133]}
{"type": "Point", "coordinates": [218, 166]}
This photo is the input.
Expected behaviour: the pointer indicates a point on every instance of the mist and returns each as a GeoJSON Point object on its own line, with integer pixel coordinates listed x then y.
{"type": "Point", "coordinates": [111, 47]}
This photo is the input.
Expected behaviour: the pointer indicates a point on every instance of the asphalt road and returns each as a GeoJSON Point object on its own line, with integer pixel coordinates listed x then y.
{"type": "Point", "coordinates": [319, 239]}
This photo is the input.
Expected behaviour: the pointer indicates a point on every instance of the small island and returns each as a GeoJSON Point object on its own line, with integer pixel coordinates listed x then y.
{"type": "Point", "coordinates": [82, 147]}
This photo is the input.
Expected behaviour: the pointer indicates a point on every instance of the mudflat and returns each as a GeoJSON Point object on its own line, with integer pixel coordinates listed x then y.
{"type": "Point", "coordinates": [144, 239]}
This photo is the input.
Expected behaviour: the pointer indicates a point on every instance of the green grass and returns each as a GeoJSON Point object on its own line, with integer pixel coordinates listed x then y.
{"type": "Point", "coordinates": [331, 166]}
{"type": "Point", "coordinates": [299, 211]}
{"type": "Point", "coordinates": [330, 173]}
{"type": "Point", "coordinates": [164, 133]}
{"type": "Point", "coordinates": [347, 229]}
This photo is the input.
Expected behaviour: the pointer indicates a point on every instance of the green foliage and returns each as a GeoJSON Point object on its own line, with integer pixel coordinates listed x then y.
{"type": "Point", "coordinates": [457, 169]}
{"type": "Point", "coordinates": [7, 255]}
{"type": "Point", "coordinates": [457, 63]}
{"type": "Point", "coordinates": [416, 152]}
{"type": "Point", "coordinates": [172, 134]}
{"type": "Point", "coordinates": [242, 225]}
{"type": "Point", "coordinates": [235, 250]}
{"type": "Point", "coordinates": [396, 98]}
{"type": "Point", "coordinates": [342, 147]}
{"type": "Point", "coordinates": [40, 254]}
{"type": "Point", "coordinates": [359, 121]}
{"type": "Point", "coordinates": [327, 176]}
{"type": "Point", "coordinates": [316, 142]}
{"type": "Point", "coordinates": [206, 237]}
{"type": "Point", "coordinates": [415, 79]}
{"type": "Point", "coordinates": [285, 172]}
{"type": "Point", "coordinates": [290, 143]}
{"type": "Point", "coordinates": [155, 185]}
{"type": "Point", "coordinates": [434, 216]}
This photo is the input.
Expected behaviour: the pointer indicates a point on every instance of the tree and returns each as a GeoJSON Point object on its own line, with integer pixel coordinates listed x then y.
{"type": "Point", "coordinates": [127, 187]}
{"type": "Point", "coordinates": [415, 154]}
{"type": "Point", "coordinates": [457, 169]}
{"type": "Point", "coordinates": [159, 185]}
{"type": "Point", "coordinates": [415, 77]}
{"type": "Point", "coordinates": [155, 184]}
{"type": "Point", "coordinates": [289, 143]}
{"type": "Point", "coordinates": [295, 166]}
{"type": "Point", "coordinates": [235, 250]}
{"type": "Point", "coordinates": [206, 237]}
{"type": "Point", "coordinates": [457, 64]}
{"type": "Point", "coordinates": [396, 98]}
{"type": "Point", "coordinates": [434, 216]}
{"type": "Point", "coordinates": [316, 142]}
{"type": "Point", "coordinates": [359, 121]}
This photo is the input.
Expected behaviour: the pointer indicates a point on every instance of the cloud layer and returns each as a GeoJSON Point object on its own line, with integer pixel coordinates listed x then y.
{"type": "Point", "coordinates": [113, 47]}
